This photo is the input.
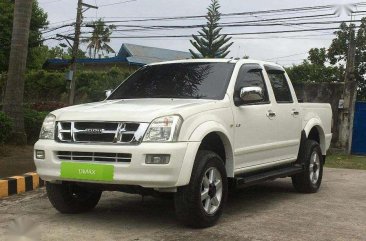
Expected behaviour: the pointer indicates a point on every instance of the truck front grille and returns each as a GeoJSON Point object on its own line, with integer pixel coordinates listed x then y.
{"type": "Point", "coordinates": [100, 132]}
{"type": "Point", "coordinates": [93, 156]}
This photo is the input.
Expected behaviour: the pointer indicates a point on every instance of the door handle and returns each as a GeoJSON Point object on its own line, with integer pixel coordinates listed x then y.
{"type": "Point", "coordinates": [271, 114]}
{"type": "Point", "coordinates": [295, 112]}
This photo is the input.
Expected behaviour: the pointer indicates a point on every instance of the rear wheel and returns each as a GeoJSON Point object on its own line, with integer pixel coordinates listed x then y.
{"type": "Point", "coordinates": [71, 198]}
{"type": "Point", "coordinates": [201, 202]}
{"type": "Point", "coordinates": [310, 180]}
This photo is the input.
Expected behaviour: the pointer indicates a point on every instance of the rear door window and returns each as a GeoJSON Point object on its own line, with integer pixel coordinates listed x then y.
{"type": "Point", "coordinates": [280, 86]}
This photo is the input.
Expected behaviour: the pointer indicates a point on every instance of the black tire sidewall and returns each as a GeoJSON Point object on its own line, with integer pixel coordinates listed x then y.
{"type": "Point", "coordinates": [188, 202]}
{"type": "Point", "coordinates": [315, 147]}
{"type": "Point", "coordinates": [218, 164]}
{"type": "Point", "coordinates": [302, 181]}
{"type": "Point", "coordinates": [61, 198]}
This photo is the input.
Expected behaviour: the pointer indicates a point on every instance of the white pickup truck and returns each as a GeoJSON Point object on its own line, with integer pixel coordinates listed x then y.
{"type": "Point", "coordinates": [193, 128]}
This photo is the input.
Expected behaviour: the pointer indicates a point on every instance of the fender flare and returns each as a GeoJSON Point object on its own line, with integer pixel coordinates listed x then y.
{"type": "Point", "coordinates": [317, 123]}
{"type": "Point", "coordinates": [197, 136]}
{"type": "Point", "coordinates": [212, 126]}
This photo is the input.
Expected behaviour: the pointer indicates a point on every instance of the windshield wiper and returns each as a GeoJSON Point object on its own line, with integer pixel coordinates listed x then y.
{"type": "Point", "coordinates": [178, 96]}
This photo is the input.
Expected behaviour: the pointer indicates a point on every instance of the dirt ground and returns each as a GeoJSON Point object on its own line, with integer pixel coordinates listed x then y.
{"type": "Point", "coordinates": [16, 160]}
{"type": "Point", "coordinates": [271, 211]}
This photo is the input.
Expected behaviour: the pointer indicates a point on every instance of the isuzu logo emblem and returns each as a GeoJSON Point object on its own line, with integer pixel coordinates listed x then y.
{"type": "Point", "coordinates": [93, 131]}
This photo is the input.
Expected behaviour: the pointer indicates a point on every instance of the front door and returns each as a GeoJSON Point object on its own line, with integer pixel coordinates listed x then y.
{"type": "Point", "coordinates": [255, 124]}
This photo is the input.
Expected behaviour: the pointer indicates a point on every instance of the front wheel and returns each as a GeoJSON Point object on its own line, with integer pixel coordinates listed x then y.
{"type": "Point", "coordinates": [309, 181]}
{"type": "Point", "coordinates": [71, 198]}
{"type": "Point", "coordinates": [201, 202]}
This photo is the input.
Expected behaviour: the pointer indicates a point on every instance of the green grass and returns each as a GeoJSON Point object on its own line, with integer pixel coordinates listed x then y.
{"type": "Point", "coordinates": [346, 161]}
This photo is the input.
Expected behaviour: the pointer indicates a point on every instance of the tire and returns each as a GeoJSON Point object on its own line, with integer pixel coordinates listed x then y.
{"type": "Point", "coordinates": [193, 211]}
{"type": "Point", "coordinates": [70, 198]}
{"type": "Point", "coordinates": [310, 180]}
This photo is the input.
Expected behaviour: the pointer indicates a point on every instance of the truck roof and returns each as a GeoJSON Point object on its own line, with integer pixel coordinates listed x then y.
{"type": "Point", "coordinates": [217, 61]}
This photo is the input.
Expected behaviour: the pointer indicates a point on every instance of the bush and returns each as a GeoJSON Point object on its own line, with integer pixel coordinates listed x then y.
{"type": "Point", "coordinates": [32, 123]}
{"type": "Point", "coordinates": [41, 85]}
{"type": "Point", "coordinates": [51, 86]}
{"type": "Point", "coordinates": [6, 125]}
{"type": "Point", "coordinates": [91, 84]}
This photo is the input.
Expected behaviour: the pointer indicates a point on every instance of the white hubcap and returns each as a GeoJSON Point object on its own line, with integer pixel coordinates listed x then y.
{"type": "Point", "coordinates": [211, 190]}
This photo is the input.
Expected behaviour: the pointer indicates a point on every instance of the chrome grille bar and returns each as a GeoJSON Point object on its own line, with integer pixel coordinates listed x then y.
{"type": "Point", "coordinates": [100, 132]}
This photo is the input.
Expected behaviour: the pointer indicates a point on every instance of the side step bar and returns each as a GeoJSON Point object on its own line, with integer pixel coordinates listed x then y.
{"type": "Point", "coordinates": [251, 179]}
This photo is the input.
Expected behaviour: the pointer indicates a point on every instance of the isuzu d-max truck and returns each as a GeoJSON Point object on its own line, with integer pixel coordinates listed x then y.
{"type": "Point", "coordinates": [192, 128]}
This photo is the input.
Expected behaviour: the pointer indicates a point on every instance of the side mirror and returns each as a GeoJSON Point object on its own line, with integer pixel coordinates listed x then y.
{"type": "Point", "coordinates": [251, 94]}
{"type": "Point", "coordinates": [108, 93]}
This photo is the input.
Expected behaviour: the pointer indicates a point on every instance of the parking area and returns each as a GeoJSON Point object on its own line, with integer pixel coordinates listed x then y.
{"type": "Point", "coordinates": [271, 211]}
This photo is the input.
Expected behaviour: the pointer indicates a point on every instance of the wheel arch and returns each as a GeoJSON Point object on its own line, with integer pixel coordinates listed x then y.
{"type": "Point", "coordinates": [211, 130]}
{"type": "Point", "coordinates": [314, 131]}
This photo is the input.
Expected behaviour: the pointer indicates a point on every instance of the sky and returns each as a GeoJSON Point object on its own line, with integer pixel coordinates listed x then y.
{"type": "Point", "coordinates": [283, 48]}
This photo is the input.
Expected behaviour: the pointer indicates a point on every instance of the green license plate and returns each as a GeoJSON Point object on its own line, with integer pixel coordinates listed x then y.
{"type": "Point", "coordinates": [87, 171]}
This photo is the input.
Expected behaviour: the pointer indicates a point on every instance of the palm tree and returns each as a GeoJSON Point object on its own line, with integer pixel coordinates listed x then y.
{"type": "Point", "coordinates": [13, 101]}
{"type": "Point", "coordinates": [100, 38]}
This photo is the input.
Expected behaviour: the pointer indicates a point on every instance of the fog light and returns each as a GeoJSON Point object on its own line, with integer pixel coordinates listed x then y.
{"type": "Point", "coordinates": [157, 159]}
{"type": "Point", "coordinates": [40, 154]}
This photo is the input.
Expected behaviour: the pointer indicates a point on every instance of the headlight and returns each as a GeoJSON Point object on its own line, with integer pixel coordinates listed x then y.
{"type": "Point", "coordinates": [164, 129]}
{"type": "Point", "coordinates": [48, 127]}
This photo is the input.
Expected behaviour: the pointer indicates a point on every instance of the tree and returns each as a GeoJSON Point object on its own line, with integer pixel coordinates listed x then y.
{"type": "Point", "coordinates": [62, 53]}
{"type": "Point", "coordinates": [209, 42]}
{"type": "Point", "coordinates": [13, 101]}
{"type": "Point", "coordinates": [38, 22]}
{"type": "Point", "coordinates": [41, 53]}
{"type": "Point", "coordinates": [309, 72]}
{"type": "Point", "coordinates": [315, 69]}
{"type": "Point", "coordinates": [98, 41]}
{"type": "Point", "coordinates": [318, 56]}
{"type": "Point", "coordinates": [337, 53]}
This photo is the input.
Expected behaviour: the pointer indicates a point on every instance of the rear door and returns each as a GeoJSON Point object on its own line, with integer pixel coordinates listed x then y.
{"type": "Point", "coordinates": [288, 116]}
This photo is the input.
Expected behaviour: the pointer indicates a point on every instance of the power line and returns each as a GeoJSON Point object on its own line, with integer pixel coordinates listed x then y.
{"type": "Point", "coordinates": [56, 28]}
{"type": "Point", "coordinates": [241, 14]}
{"type": "Point", "coordinates": [116, 3]}
{"type": "Point", "coordinates": [294, 18]}
{"type": "Point", "coordinates": [222, 24]}
{"type": "Point", "coordinates": [281, 57]}
{"type": "Point", "coordinates": [230, 34]}
{"type": "Point", "coordinates": [202, 16]}
{"type": "Point", "coordinates": [53, 1]}
{"type": "Point", "coordinates": [249, 23]}
{"type": "Point", "coordinates": [227, 25]}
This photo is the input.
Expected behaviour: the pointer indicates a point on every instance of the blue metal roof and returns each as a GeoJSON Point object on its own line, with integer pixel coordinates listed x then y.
{"type": "Point", "coordinates": [131, 54]}
{"type": "Point", "coordinates": [116, 59]}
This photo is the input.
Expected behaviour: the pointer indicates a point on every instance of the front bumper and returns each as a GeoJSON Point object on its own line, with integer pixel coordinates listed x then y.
{"type": "Point", "coordinates": [134, 173]}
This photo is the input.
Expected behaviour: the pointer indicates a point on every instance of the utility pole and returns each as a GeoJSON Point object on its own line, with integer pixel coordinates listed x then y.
{"type": "Point", "coordinates": [75, 47]}
{"type": "Point", "coordinates": [349, 96]}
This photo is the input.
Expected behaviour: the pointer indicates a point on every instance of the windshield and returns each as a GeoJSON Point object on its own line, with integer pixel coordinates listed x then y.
{"type": "Point", "coordinates": [178, 80]}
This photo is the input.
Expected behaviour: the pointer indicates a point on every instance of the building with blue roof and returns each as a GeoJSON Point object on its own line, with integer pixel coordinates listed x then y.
{"type": "Point", "coordinates": [129, 55]}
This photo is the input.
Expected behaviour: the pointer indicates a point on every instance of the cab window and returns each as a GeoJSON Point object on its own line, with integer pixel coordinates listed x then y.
{"type": "Point", "coordinates": [279, 84]}
{"type": "Point", "coordinates": [251, 75]}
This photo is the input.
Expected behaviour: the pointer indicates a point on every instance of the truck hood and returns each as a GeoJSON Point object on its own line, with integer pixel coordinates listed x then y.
{"type": "Point", "coordinates": [135, 110]}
